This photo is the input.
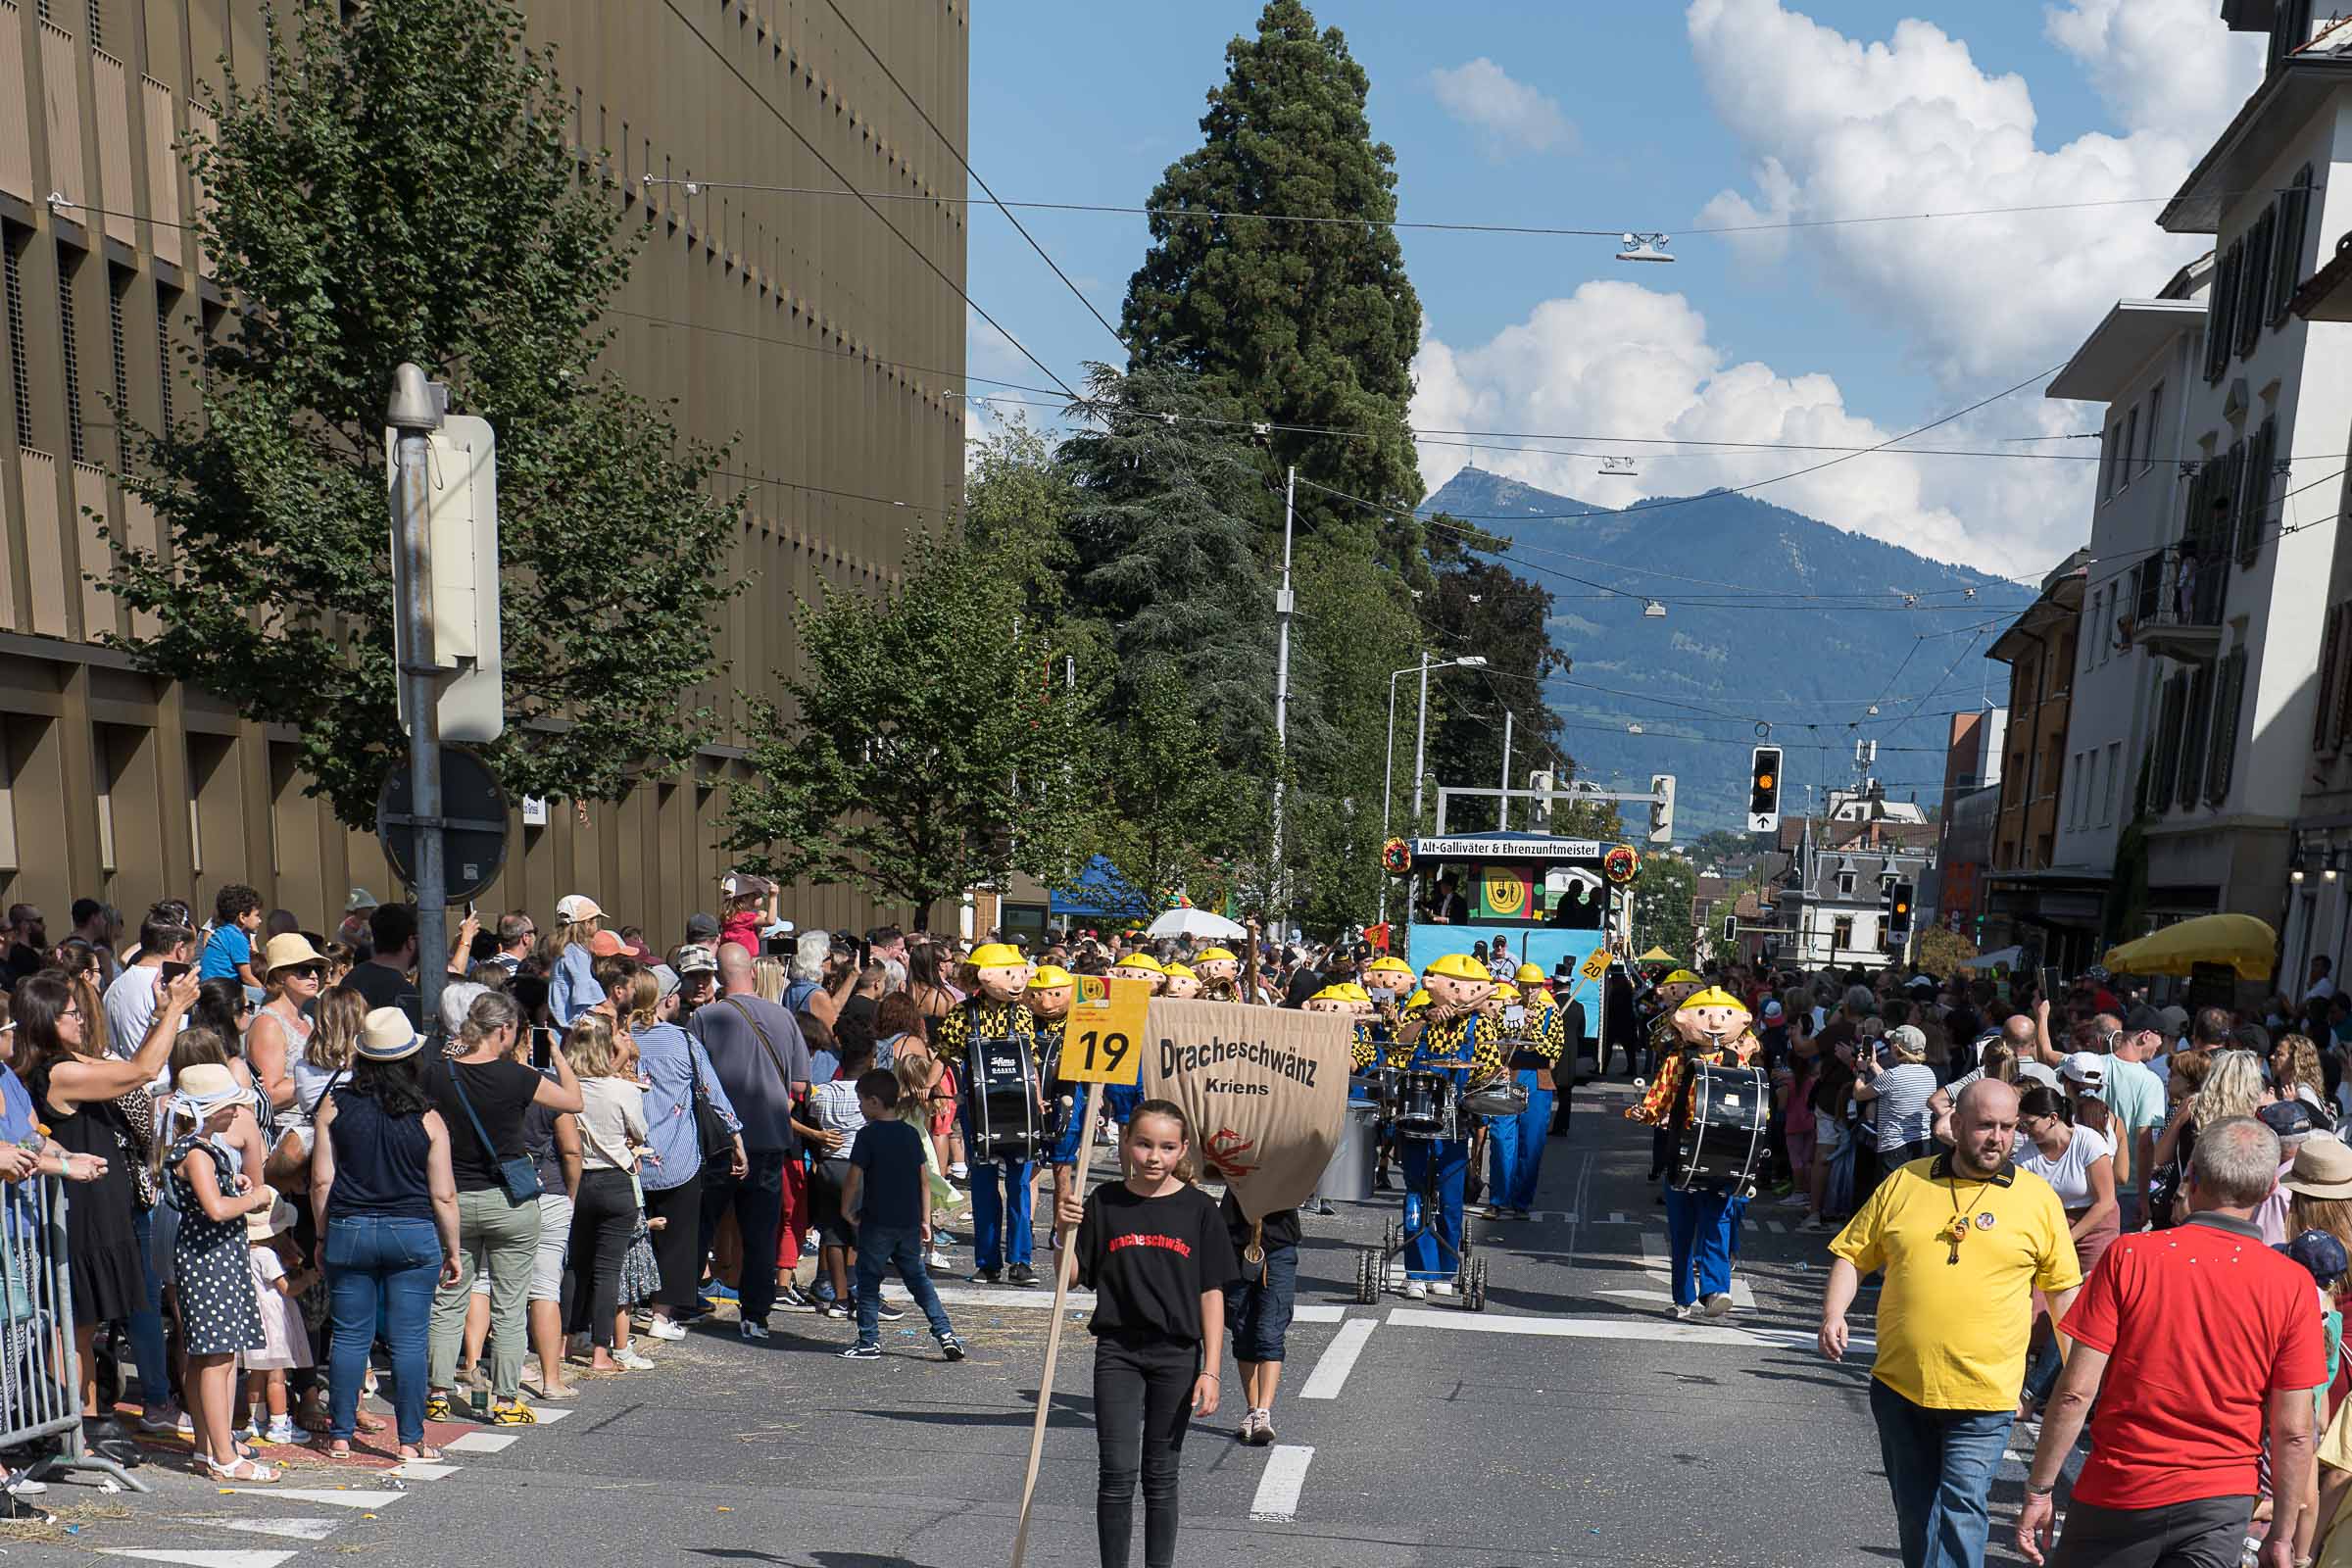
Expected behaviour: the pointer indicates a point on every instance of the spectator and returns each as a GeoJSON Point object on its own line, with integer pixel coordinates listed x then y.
{"type": "Point", "coordinates": [229, 950]}
{"type": "Point", "coordinates": [355, 932]}
{"type": "Point", "coordinates": [380, 1176]}
{"type": "Point", "coordinates": [280, 1032]}
{"type": "Point", "coordinates": [678, 1076]}
{"type": "Point", "coordinates": [1901, 1092]}
{"type": "Point", "coordinates": [886, 1197]}
{"type": "Point", "coordinates": [2292, 1123]}
{"type": "Point", "coordinates": [605, 1216]}
{"type": "Point", "coordinates": [76, 1093]}
{"type": "Point", "coordinates": [100, 926]}
{"type": "Point", "coordinates": [2296, 1074]}
{"type": "Point", "coordinates": [858, 1009]}
{"type": "Point", "coordinates": [571, 987]}
{"type": "Point", "coordinates": [756, 1050]}
{"type": "Point", "coordinates": [212, 1272]}
{"type": "Point", "coordinates": [2136, 1100]}
{"type": "Point", "coordinates": [1962, 1238]}
{"type": "Point", "coordinates": [482, 1088]}
{"type": "Point", "coordinates": [518, 934]}
{"type": "Point", "coordinates": [2211, 1337]}
{"type": "Point", "coordinates": [833, 1107]}
{"type": "Point", "coordinates": [129, 1003]}
{"type": "Point", "coordinates": [27, 944]}
{"type": "Point", "coordinates": [698, 978]}
{"type": "Point", "coordinates": [383, 979]}
{"type": "Point", "coordinates": [2230, 1084]}
{"type": "Point", "coordinates": [2321, 979]}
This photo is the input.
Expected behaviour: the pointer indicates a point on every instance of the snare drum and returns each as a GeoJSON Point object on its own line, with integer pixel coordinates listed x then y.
{"type": "Point", "coordinates": [1502, 1095]}
{"type": "Point", "coordinates": [1425, 1106]}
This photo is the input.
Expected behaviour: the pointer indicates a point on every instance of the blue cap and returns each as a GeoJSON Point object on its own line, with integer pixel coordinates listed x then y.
{"type": "Point", "coordinates": [2318, 1252]}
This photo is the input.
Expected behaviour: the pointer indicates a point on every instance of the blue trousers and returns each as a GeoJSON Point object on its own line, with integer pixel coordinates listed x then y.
{"type": "Point", "coordinates": [147, 1324]}
{"type": "Point", "coordinates": [379, 1269]}
{"type": "Point", "coordinates": [1515, 1147]}
{"type": "Point", "coordinates": [1939, 1466]}
{"type": "Point", "coordinates": [880, 1248]}
{"type": "Point", "coordinates": [1702, 1234]}
{"type": "Point", "coordinates": [1000, 1218]}
{"type": "Point", "coordinates": [1451, 1158]}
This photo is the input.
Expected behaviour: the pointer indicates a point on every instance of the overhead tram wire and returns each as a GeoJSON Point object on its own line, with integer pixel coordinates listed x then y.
{"type": "Point", "coordinates": [950, 145]}
{"type": "Point", "coordinates": [865, 198]}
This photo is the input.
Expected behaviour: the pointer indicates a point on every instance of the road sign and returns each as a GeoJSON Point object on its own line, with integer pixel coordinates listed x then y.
{"type": "Point", "coordinates": [460, 596]}
{"type": "Point", "coordinates": [473, 820]}
{"type": "Point", "coordinates": [1103, 1042]}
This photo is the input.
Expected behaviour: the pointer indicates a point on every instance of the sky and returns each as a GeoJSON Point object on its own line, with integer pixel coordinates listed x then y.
{"type": "Point", "coordinates": [1676, 116]}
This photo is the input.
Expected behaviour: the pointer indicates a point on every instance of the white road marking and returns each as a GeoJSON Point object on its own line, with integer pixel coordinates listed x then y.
{"type": "Point", "coordinates": [1860, 1348]}
{"type": "Point", "coordinates": [1338, 1359]}
{"type": "Point", "coordinates": [339, 1496]}
{"type": "Point", "coordinates": [1659, 1258]}
{"type": "Point", "coordinates": [1277, 1499]}
{"type": "Point", "coordinates": [1618, 1218]}
{"type": "Point", "coordinates": [426, 1470]}
{"type": "Point", "coordinates": [289, 1529]}
{"type": "Point", "coordinates": [480, 1442]}
{"type": "Point", "coordinates": [1040, 1296]}
{"type": "Point", "coordinates": [549, 1415]}
{"type": "Point", "coordinates": [201, 1559]}
{"type": "Point", "coordinates": [1318, 1312]}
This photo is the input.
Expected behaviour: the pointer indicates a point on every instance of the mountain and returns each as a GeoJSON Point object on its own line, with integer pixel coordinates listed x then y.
{"type": "Point", "coordinates": [1770, 617]}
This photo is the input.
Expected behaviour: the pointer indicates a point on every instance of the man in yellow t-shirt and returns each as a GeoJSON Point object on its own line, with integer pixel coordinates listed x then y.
{"type": "Point", "coordinates": [1965, 1238]}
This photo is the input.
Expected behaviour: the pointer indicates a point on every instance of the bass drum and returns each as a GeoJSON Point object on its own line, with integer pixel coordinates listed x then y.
{"type": "Point", "coordinates": [1723, 1141]}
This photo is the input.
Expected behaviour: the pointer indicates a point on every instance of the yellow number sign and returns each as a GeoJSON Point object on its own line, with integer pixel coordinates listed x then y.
{"type": "Point", "coordinates": [1597, 965]}
{"type": "Point", "coordinates": [1103, 1040]}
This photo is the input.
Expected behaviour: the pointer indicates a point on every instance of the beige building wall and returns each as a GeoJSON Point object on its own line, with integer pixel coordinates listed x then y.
{"type": "Point", "coordinates": [800, 327]}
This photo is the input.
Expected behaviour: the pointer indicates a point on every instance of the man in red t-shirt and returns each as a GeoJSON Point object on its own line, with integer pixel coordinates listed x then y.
{"type": "Point", "coordinates": [2207, 1332]}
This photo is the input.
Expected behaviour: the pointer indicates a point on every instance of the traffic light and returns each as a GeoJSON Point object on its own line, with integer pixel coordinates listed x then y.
{"type": "Point", "coordinates": [1898, 916]}
{"type": "Point", "coordinates": [1661, 808]}
{"type": "Point", "coordinates": [1764, 791]}
{"type": "Point", "coordinates": [1731, 931]}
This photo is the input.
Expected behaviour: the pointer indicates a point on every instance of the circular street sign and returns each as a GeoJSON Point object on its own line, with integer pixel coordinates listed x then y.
{"type": "Point", "coordinates": [474, 809]}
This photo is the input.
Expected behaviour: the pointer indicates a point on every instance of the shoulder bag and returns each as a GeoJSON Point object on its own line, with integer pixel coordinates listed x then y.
{"type": "Point", "coordinates": [716, 1137]}
{"type": "Point", "coordinates": [519, 1176]}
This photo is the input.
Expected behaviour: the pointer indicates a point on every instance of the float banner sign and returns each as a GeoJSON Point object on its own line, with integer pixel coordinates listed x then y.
{"type": "Point", "coordinates": [1511, 849]}
{"type": "Point", "coordinates": [1265, 1089]}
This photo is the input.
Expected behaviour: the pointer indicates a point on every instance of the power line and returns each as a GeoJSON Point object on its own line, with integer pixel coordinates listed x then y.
{"type": "Point", "coordinates": [863, 197]}
{"type": "Point", "coordinates": [950, 145]}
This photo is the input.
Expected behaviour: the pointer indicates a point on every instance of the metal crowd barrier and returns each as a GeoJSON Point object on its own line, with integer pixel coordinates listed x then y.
{"type": "Point", "coordinates": [40, 1382]}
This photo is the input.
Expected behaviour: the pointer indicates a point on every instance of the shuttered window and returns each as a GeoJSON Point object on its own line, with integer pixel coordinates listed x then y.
{"type": "Point", "coordinates": [2254, 492]}
{"type": "Point", "coordinates": [2220, 310]}
{"type": "Point", "coordinates": [2230, 690]}
{"type": "Point", "coordinates": [2294, 229]}
{"type": "Point", "coordinates": [2168, 746]}
{"type": "Point", "coordinates": [2193, 730]}
{"type": "Point", "coordinates": [2254, 285]}
{"type": "Point", "coordinates": [2324, 737]}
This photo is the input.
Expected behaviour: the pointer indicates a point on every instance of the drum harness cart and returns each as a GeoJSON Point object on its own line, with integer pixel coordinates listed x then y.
{"type": "Point", "coordinates": [1422, 1102]}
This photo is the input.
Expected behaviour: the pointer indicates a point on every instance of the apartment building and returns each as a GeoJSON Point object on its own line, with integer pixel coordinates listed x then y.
{"type": "Point", "coordinates": [825, 340]}
{"type": "Point", "coordinates": [2047, 907]}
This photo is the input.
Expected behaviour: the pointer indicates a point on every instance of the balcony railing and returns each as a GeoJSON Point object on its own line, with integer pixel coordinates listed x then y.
{"type": "Point", "coordinates": [2177, 602]}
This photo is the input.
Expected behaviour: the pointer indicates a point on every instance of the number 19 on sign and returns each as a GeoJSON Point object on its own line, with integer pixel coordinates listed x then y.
{"type": "Point", "coordinates": [1102, 1040]}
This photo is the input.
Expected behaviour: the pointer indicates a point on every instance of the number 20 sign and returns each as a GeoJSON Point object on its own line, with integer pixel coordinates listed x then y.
{"type": "Point", "coordinates": [1103, 1042]}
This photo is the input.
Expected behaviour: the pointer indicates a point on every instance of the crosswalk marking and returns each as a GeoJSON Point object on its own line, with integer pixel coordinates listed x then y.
{"type": "Point", "coordinates": [289, 1529]}
{"type": "Point", "coordinates": [1659, 1258]}
{"type": "Point", "coordinates": [339, 1496]}
{"type": "Point", "coordinates": [426, 1470]}
{"type": "Point", "coordinates": [1278, 1489]}
{"type": "Point", "coordinates": [1338, 1361]}
{"type": "Point", "coordinates": [480, 1442]}
{"type": "Point", "coordinates": [200, 1559]}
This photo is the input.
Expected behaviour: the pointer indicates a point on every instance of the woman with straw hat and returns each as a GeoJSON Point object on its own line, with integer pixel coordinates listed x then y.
{"type": "Point", "coordinates": [293, 973]}
{"type": "Point", "coordinates": [381, 1178]}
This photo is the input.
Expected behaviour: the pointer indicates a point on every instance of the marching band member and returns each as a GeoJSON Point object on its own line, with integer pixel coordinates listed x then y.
{"type": "Point", "coordinates": [1220, 974]}
{"type": "Point", "coordinates": [1049, 996]}
{"type": "Point", "coordinates": [997, 1012]}
{"type": "Point", "coordinates": [1663, 1045]}
{"type": "Point", "coordinates": [1517, 1143]}
{"type": "Point", "coordinates": [1182, 983]}
{"type": "Point", "coordinates": [1120, 1099]}
{"type": "Point", "coordinates": [1454, 1043]}
{"type": "Point", "coordinates": [1702, 1227]}
{"type": "Point", "coordinates": [1389, 980]}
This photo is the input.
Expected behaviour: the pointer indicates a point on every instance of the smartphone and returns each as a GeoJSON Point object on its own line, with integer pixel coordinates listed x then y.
{"type": "Point", "coordinates": [173, 972]}
{"type": "Point", "coordinates": [2054, 984]}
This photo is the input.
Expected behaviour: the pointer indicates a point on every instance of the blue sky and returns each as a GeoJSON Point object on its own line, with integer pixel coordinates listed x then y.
{"type": "Point", "coordinates": [1671, 114]}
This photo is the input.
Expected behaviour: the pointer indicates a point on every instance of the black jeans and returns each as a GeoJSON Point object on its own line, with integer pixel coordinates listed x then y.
{"type": "Point", "coordinates": [2209, 1532]}
{"type": "Point", "coordinates": [603, 1219]}
{"type": "Point", "coordinates": [758, 1203]}
{"type": "Point", "coordinates": [1142, 1402]}
{"type": "Point", "coordinates": [675, 1253]}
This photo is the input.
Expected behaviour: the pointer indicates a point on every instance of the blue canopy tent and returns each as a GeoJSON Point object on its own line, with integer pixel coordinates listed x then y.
{"type": "Point", "coordinates": [1101, 894]}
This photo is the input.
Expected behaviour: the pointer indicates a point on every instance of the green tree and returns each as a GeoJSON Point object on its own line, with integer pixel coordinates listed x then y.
{"type": "Point", "coordinates": [1665, 896]}
{"type": "Point", "coordinates": [1480, 606]}
{"type": "Point", "coordinates": [1176, 812]}
{"type": "Point", "coordinates": [1019, 505]}
{"type": "Point", "coordinates": [980, 763]}
{"type": "Point", "coordinates": [399, 189]}
{"type": "Point", "coordinates": [1300, 324]}
{"type": "Point", "coordinates": [1941, 951]}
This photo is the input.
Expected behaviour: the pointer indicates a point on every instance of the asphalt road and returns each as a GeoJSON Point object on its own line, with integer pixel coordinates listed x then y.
{"type": "Point", "coordinates": [1569, 1423]}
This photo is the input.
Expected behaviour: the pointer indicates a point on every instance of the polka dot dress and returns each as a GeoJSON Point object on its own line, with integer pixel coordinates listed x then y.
{"type": "Point", "coordinates": [218, 1313]}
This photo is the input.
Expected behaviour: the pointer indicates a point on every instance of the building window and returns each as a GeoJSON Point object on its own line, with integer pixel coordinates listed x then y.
{"type": "Point", "coordinates": [19, 373]}
{"type": "Point", "coordinates": [1842, 934]}
{"type": "Point", "coordinates": [2125, 461]}
{"type": "Point", "coordinates": [97, 23]}
{"type": "Point", "coordinates": [165, 302]}
{"type": "Point", "coordinates": [75, 443]}
{"type": "Point", "coordinates": [2148, 444]}
{"type": "Point", "coordinates": [2294, 221]}
{"type": "Point", "coordinates": [1846, 884]}
{"type": "Point", "coordinates": [2110, 450]}
{"type": "Point", "coordinates": [118, 282]}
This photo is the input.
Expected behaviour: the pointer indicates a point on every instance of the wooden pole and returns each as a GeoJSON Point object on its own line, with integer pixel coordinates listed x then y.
{"type": "Point", "coordinates": [1065, 1265]}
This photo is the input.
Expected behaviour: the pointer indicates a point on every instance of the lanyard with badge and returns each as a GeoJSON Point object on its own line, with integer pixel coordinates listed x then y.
{"type": "Point", "coordinates": [1962, 1223]}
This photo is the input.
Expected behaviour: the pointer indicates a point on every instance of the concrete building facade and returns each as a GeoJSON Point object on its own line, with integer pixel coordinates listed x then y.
{"type": "Point", "coordinates": [824, 338]}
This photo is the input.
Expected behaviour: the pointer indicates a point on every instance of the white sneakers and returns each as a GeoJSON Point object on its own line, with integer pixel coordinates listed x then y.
{"type": "Point", "coordinates": [1441, 1288]}
{"type": "Point", "coordinates": [1416, 1290]}
{"type": "Point", "coordinates": [1257, 1428]}
{"type": "Point", "coordinates": [662, 1328]}
{"type": "Point", "coordinates": [751, 1330]}
{"type": "Point", "coordinates": [1717, 1306]}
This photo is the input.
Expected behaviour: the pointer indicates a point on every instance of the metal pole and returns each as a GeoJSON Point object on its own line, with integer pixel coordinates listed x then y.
{"type": "Point", "coordinates": [1503, 819]}
{"type": "Point", "coordinates": [414, 412]}
{"type": "Point", "coordinates": [1388, 789]}
{"type": "Point", "coordinates": [1420, 737]}
{"type": "Point", "coordinates": [1283, 605]}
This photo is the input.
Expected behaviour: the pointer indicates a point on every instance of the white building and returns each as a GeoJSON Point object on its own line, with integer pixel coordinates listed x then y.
{"type": "Point", "coordinates": [2218, 567]}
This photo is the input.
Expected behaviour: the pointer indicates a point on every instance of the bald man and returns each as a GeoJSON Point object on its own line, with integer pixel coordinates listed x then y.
{"type": "Point", "coordinates": [1963, 1239]}
{"type": "Point", "coordinates": [757, 1049]}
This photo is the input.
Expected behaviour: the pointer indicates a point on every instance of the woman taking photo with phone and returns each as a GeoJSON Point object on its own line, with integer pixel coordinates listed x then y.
{"type": "Point", "coordinates": [1155, 1251]}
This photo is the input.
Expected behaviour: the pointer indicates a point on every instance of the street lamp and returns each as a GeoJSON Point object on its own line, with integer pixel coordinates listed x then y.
{"type": "Point", "coordinates": [1420, 734]}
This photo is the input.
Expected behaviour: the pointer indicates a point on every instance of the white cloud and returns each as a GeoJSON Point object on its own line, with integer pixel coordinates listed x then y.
{"type": "Point", "coordinates": [1843, 128]}
{"type": "Point", "coordinates": [1615, 359]}
{"type": "Point", "coordinates": [1509, 115]}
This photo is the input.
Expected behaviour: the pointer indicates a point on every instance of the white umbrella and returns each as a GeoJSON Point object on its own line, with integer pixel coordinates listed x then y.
{"type": "Point", "coordinates": [1197, 923]}
{"type": "Point", "coordinates": [2011, 956]}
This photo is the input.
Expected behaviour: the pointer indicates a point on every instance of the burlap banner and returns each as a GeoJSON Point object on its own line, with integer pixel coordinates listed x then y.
{"type": "Point", "coordinates": [1266, 1089]}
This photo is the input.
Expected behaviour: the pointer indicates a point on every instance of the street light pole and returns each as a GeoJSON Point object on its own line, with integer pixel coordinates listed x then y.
{"type": "Point", "coordinates": [1387, 788]}
{"type": "Point", "coordinates": [1283, 605]}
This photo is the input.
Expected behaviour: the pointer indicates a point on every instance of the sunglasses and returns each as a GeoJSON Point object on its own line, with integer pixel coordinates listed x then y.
{"type": "Point", "coordinates": [311, 971]}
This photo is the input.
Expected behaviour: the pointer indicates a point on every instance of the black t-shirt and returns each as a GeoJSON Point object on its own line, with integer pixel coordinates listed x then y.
{"type": "Point", "coordinates": [386, 986]}
{"type": "Point", "coordinates": [890, 1194]}
{"type": "Point", "coordinates": [1149, 1259]}
{"type": "Point", "coordinates": [1280, 1228]}
{"type": "Point", "coordinates": [500, 1091]}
